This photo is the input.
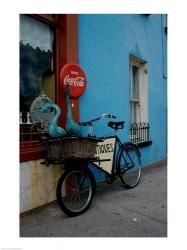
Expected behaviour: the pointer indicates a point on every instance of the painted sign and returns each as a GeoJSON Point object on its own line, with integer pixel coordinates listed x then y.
{"type": "Point", "coordinates": [105, 150]}
{"type": "Point", "coordinates": [73, 76]}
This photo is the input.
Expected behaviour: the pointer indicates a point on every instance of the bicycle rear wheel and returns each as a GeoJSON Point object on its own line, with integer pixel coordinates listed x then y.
{"type": "Point", "coordinates": [75, 191]}
{"type": "Point", "coordinates": [130, 166]}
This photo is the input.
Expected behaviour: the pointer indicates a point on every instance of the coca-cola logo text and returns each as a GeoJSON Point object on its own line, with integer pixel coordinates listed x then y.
{"type": "Point", "coordinates": [77, 81]}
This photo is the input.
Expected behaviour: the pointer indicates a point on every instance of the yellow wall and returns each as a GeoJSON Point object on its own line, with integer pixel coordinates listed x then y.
{"type": "Point", "coordinates": [37, 184]}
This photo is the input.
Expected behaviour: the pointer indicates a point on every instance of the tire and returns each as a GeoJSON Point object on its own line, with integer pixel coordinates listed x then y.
{"type": "Point", "coordinates": [75, 190]}
{"type": "Point", "coordinates": [129, 163]}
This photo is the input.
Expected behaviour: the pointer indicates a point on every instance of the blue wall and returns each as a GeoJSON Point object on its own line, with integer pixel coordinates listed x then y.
{"type": "Point", "coordinates": [105, 42]}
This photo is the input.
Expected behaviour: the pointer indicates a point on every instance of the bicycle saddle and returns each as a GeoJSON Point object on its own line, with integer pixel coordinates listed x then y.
{"type": "Point", "coordinates": [116, 125]}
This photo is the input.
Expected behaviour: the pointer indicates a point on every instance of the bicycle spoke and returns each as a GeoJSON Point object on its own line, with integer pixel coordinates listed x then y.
{"type": "Point", "coordinates": [76, 191]}
{"type": "Point", "coordinates": [130, 166]}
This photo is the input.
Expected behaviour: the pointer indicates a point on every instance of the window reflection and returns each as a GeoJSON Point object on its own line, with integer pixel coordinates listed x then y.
{"type": "Point", "coordinates": [36, 59]}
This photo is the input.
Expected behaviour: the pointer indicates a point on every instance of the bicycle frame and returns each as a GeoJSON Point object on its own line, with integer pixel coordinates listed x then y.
{"type": "Point", "coordinates": [114, 169]}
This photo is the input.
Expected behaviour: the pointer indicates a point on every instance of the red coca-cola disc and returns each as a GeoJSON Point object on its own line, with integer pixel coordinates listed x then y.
{"type": "Point", "coordinates": [73, 76]}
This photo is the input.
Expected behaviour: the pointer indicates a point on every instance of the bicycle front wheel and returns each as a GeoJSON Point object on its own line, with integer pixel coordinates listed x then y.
{"type": "Point", "coordinates": [75, 191]}
{"type": "Point", "coordinates": [130, 166]}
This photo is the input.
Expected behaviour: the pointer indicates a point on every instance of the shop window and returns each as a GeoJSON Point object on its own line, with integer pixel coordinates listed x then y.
{"type": "Point", "coordinates": [47, 42]}
{"type": "Point", "coordinates": [37, 77]}
{"type": "Point", "coordinates": [139, 127]}
{"type": "Point", "coordinates": [36, 63]}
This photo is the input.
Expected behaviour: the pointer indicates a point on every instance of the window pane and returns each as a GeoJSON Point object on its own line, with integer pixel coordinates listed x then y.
{"type": "Point", "coordinates": [36, 60]}
{"type": "Point", "coordinates": [135, 82]}
{"type": "Point", "coordinates": [133, 112]}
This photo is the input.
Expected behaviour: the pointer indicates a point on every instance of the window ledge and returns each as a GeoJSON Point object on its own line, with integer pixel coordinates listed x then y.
{"type": "Point", "coordinates": [144, 143]}
{"type": "Point", "coordinates": [31, 151]}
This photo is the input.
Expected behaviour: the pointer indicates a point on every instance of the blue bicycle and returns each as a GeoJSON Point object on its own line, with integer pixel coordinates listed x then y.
{"type": "Point", "coordinates": [75, 188]}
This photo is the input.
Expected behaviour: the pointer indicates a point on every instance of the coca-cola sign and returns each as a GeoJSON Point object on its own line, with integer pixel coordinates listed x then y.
{"type": "Point", "coordinates": [73, 76]}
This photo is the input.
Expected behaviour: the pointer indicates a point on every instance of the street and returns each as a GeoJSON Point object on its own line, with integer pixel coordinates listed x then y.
{"type": "Point", "coordinates": [114, 212]}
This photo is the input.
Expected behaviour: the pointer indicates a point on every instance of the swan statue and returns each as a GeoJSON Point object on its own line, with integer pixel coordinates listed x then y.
{"type": "Point", "coordinates": [72, 127]}
{"type": "Point", "coordinates": [54, 130]}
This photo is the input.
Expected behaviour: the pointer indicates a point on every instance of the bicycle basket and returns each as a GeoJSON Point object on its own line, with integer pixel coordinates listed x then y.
{"type": "Point", "coordinates": [53, 149]}
{"type": "Point", "coordinates": [79, 147]}
{"type": "Point", "coordinates": [70, 147]}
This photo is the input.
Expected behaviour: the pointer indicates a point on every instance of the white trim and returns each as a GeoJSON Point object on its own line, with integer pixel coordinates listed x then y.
{"type": "Point", "coordinates": [142, 100]}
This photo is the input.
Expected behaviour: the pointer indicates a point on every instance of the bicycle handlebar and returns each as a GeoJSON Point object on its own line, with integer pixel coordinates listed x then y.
{"type": "Point", "coordinates": [89, 122]}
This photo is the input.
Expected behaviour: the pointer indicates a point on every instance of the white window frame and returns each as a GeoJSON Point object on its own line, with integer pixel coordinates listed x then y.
{"type": "Point", "coordinates": [138, 86]}
{"type": "Point", "coordinates": [134, 93]}
{"type": "Point", "coordinates": [141, 100]}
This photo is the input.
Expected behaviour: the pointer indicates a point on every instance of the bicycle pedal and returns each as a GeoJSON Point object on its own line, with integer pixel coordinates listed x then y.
{"type": "Point", "coordinates": [111, 180]}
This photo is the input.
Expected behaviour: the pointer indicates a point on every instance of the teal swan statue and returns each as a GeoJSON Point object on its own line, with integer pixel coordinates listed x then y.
{"type": "Point", "coordinates": [72, 127]}
{"type": "Point", "coordinates": [54, 130]}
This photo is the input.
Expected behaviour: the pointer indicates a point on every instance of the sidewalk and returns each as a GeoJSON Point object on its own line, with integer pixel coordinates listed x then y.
{"type": "Point", "coordinates": [114, 212]}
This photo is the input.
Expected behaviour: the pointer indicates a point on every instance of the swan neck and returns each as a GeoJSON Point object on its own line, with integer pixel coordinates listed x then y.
{"type": "Point", "coordinates": [69, 114]}
{"type": "Point", "coordinates": [57, 115]}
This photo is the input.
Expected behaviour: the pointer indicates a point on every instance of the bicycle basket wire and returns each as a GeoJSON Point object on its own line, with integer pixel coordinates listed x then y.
{"type": "Point", "coordinates": [53, 149]}
{"type": "Point", "coordinates": [70, 147]}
